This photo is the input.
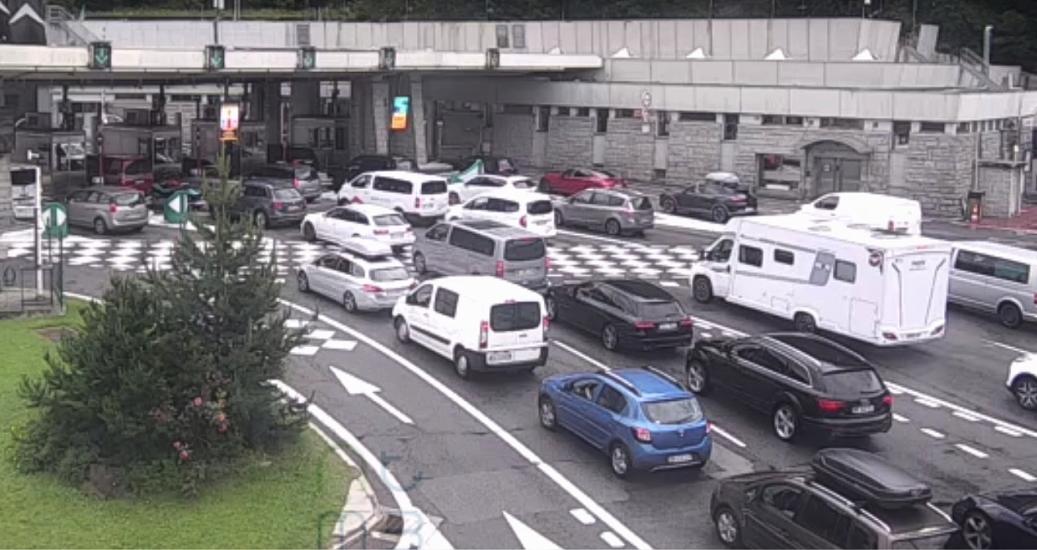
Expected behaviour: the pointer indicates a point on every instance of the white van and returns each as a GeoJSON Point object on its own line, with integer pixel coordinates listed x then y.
{"type": "Point", "coordinates": [883, 212]}
{"type": "Point", "coordinates": [883, 288]}
{"type": "Point", "coordinates": [531, 211]}
{"type": "Point", "coordinates": [415, 195]}
{"type": "Point", "coordinates": [995, 278]}
{"type": "Point", "coordinates": [481, 323]}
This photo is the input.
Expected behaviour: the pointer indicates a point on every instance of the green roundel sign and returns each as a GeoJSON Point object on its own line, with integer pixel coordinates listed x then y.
{"type": "Point", "coordinates": [176, 208]}
{"type": "Point", "coordinates": [55, 221]}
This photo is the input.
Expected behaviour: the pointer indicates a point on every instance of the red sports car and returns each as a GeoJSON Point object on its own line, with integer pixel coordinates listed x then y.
{"type": "Point", "coordinates": [575, 180]}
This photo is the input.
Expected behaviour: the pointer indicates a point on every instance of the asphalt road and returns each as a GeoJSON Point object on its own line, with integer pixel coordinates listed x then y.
{"type": "Point", "coordinates": [475, 458]}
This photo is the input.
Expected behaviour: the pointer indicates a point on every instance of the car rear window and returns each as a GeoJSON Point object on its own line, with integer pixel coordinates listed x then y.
{"type": "Point", "coordinates": [675, 411]}
{"type": "Point", "coordinates": [390, 274]}
{"type": "Point", "coordinates": [518, 250]}
{"type": "Point", "coordinates": [539, 207]}
{"type": "Point", "coordinates": [127, 199]}
{"type": "Point", "coordinates": [641, 203]}
{"type": "Point", "coordinates": [435, 187]}
{"type": "Point", "coordinates": [389, 219]}
{"type": "Point", "coordinates": [286, 194]}
{"type": "Point", "coordinates": [658, 310]}
{"type": "Point", "coordinates": [515, 316]}
{"type": "Point", "coordinates": [852, 382]}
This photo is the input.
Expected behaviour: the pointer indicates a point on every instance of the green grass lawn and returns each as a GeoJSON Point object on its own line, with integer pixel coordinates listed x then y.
{"type": "Point", "coordinates": [275, 502]}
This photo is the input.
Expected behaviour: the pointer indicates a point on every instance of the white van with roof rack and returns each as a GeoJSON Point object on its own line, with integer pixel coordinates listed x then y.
{"type": "Point", "coordinates": [415, 195]}
{"type": "Point", "coordinates": [481, 323]}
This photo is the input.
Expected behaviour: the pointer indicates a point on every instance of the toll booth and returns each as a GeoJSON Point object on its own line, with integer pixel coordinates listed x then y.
{"type": "Point", "coordinates": [60, 154]}
{"type": "Point", "coordinates": [326, 136]}
{"type": "Point", "coordinates": [160, 144]}
{"type": "Point", "coordinates": [249, 150]}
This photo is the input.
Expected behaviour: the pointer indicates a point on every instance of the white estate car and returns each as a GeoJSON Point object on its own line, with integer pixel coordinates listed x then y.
{"type": "Point", "coordinates": [1022, 381]}
{"type": "Point", "coordinates": [343, 223]}
{"type": "Point", "coordinates": [481, 323]}
{"type": "Point", "coordinates": [462, 192]}
{"type": "Point", "coordinates": [883, 212]}
{"type": "Point", "coordinates": [528, 210]}
{"type": "Point", "coordinates": [364, 276]}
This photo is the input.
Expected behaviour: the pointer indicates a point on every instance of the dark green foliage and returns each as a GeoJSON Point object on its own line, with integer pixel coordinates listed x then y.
{"type": "Point", "coordinates": [168, 376]}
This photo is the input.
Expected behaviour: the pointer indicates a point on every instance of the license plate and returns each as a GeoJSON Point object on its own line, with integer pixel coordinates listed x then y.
{"type": "Point", "coordinates": [863, 409]}
{"type": "Point", "coordinates": [498, 356]}
{"type": "Point", "coordinates": [668, 326]}
{"type": "Point", "coordinates": [541, 222]}
{"type": "Point", "coordinates": [678, 459]}
{"type": "Point", "coordinates": [914, 334]}
{"type": "Point", "coordinates": [396, 235]}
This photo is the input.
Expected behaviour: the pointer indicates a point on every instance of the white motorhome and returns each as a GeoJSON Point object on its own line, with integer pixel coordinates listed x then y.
{"type": "Point", "coordinates": [883, 288]}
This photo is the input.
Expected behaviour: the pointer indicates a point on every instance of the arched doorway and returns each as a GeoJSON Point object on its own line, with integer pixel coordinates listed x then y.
{"type": "Point", "coordinates": [836, 166]}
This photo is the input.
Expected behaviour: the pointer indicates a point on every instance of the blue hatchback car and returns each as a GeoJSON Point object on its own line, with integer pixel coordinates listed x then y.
{"type": "Point", "coordinates": [642, 418]}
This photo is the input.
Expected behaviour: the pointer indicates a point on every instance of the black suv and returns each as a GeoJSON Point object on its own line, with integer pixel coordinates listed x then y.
{"type": "Point", "coordinates": [849, 499]}
{"type": "Point", "coordinates": [801, 380]}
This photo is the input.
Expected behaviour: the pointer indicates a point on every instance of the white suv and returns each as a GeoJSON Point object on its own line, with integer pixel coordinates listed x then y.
{"type": "Point", "coordinates": [481, 323]}
{"type": "Point", "coordinates": [1022, 381]}
{"type": "Point", "coordinates": [531, 211]}
{"type": "Point", "coordinates": [417, 196]}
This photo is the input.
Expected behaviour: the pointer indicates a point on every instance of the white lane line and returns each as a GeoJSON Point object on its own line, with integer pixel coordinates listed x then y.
{"type": "Point", "coordinates": [729, 437]}
{"type": "Point", "coordinates": [611, 539]}
{"type": "Point", "coordinates": [932, 433]}
{"type": "Point", "coordinates": [563, 482]}
{"type": "Point", "coordinates": [971, 450]}
{"type": "Point", "coordinates": [581, 355]}
{"type": "Point", "coordinates": [1008, 347]}
{"type": "Point", "coordinates": [582, 516]}
{"type": "Point", "coordinates": [1008, 431]}
{"type": "Point", "coordinates": [927, 403]}
{"type": "Point", "coordinates": [895, 391]}
{"type": "Point", "coordinates": [900, 418]}
{"type": "Point", "coordinates": [1022, 475]}
{"type": "Point", "coordinates": [965, 416]}
{"type": "Point", "coordinates": [528, 537]}
{"type": "Point", "coordinates": [953, 407]}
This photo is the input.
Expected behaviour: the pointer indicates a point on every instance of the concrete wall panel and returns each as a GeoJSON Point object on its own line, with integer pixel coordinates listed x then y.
{"type": "Point", "coordinates": [685, 39]}
{"type": "Point", "coordinates": [842, 39]}
{"type": "Point", "coordinates": [756, 73]}
{"type": "Point", "coordinates": [757, 38]}
{"type": "Point", "coordinates": [567, 37]}
{"type": "Point", "coordinates": [712, 72]}
{"type": "Point", "coordinates": [670, 72]}
{"type": "Point", "coordinates": [797, 45]}
{"type": "Point", "coordinates": [666, 41]}
{"type": "Point", "coordinates": [924, 106]}
{"type": "Point", "coordinates": [627, 70]}
{"type": "Point", "coordinates": [814, 102]}
{"type": "Point", "coordinates": [771, 101]}
{"type": "Point", "coordinates": [791, 73]}
{"type": "Point", "coordinates": [550, 36]}
{"type": "Point", "coordinates": [721, 39]}
{"type": "Point", "coordinates": [817, 34]}
{"type": "Point", "coordinates": [739, 34]}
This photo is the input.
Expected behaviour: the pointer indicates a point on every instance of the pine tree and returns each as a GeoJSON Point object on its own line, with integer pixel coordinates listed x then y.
{"type": "Point", "coordinates": [173, 368]}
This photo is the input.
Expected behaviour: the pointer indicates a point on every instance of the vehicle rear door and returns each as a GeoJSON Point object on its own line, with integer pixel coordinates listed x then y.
{"type": "Point", "coordinates": [525, 260]}
{"type": "Point", "coordinates": [518, 328]}
{"type": "Point", "coordinates": [769, 516]}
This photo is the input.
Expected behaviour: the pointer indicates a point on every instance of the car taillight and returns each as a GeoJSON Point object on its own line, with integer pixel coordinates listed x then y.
{"type": "Point", "coordinates": [644, 325]}
{"type": "Point", "coordinates": [644, 435]}
{"type": "Point", "coordinates": [484, 334]}
{"type": "Point", "coordinates": [500, 268]}
{"type": "Point", "coordinates": [372, 289]}
{"type": "Point", "coordinates": [687, 322]}
{"type": "Point", "coordinates": [546, 324]}
{"type": "Point", "coordinates": [296, 183]}
{"type": "Point", "coordinates": [738, 199]}
{"type": "Point", "coordinates": [381, 231]}
{"type": "Point", "coordinates": [278, 205]}
{"type": "Point", "coordinates": [887, 400]}
{"type": "Point", "coordinates": [830, 405]}
{"type": "Point", "coordinates": [356, 200]}
{"type": "Point", "coordinates": [113, 208]}
{"type": "Point", "coordinates": [889, 336]}
{"type": "Point", "coordinates": [523, 221]}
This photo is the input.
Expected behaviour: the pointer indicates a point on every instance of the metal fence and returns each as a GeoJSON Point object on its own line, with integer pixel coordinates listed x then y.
{"type": "Point", "coordinates": [25, 288]}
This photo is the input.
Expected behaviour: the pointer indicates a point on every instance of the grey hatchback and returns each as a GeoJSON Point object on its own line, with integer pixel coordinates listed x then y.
{"type": "Point", "coordinates": [270, 203]}
{"type": "Point", "coordinates": [107, 209]}
{"type": "Point", "coordinates": [613, 210]}
{"type": "Point", "coordinates": [303, 178]}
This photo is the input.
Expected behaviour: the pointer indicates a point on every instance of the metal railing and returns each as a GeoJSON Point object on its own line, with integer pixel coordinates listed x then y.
{"type": "Point", "coordinates": [78, 34]}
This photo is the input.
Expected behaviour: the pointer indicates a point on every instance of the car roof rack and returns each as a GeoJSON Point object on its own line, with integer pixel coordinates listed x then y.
{"type": "Point", "coordinates": [660, 373]}
{"type": "Point", "coordinates": [621, 381]}
{"type": "Point", "coordinates": [864, 476]}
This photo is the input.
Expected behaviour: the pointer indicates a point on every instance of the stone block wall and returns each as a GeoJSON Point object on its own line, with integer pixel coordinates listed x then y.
{"type": "Point", "coordinates": [693, 150]}
{"type": "Point", "coordinates": [990, 144]}
{"type": "Point", "coordinates": [629, 152]}
{"type": "Point", "coordinates": [938, 172]}
{"type": "Point", "coordinates": [570, 142]}
{"type": "Point", "coordinates": [1002, 184]}
{"type": "Point", "coordinates": [513, 137]}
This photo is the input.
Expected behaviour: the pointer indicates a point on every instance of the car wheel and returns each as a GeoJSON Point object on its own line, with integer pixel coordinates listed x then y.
{"type": "Point", "coordinates": [402, 330]}
{"type": "Point", "coordinates": [100, 227]}
{"type": "Point", "coordinates": [552, 309]}
{"type": "Point", "coordinates": [261, 219]}
{"type": "Point", "coordinates": [719, 214]}
{"type": "Point", "coordinates": [804, 322]}
{"type": "Point", "coordinates": [613, 228]}
{"type": "Point", "coordinates": [1025, 390]}
{"type": "Point", "coordinates": [309, 233]}
{"type": "Point", "coordinates": [786, 422]}
{"type": "Point", "coordinates": [303, 282]}
{"type": "Point", "coordinates": [976, 530]}
{"type": "Point", "coordinates": [609, 338]}
{"type": "Point", "coordinates": [727, 528]}
{"type": "Point", "coordinates": [702, 290]}
{"type": "Point", "coordinates": [668, 205]}
{"type": "Point", "coordinates": [619, 460]}
{"type": "Point", "coordinates": [349, 302]}
{"type": "Point", "coordinates": [1009, 315]}
{"type": "Point", "coordinates": [696, 376]}
{"type": "Point", "coordinates": [419, 263]}
{"type": "Point", "coordinates": [462, 364]}
{"type": "Point", "coordinates": [559, 218]}
{"type": "Point", "coordinates": [548, 418]}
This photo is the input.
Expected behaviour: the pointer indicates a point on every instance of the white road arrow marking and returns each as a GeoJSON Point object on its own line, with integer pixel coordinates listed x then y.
{"type": "Point", "coordinates": [528, 538]}
{"type": "Point", "coordinates": [356, 386]}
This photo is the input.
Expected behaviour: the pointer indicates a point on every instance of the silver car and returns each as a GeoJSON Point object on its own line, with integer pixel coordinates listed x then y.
{"type": "Point", "coordinates": [107, 209]}
{"type": "Point", "coordinates": [997, 278]}
{"type": "Point", "coordinates": [612, 210]}
{"type": "Point", "coordinates": [363, 277]}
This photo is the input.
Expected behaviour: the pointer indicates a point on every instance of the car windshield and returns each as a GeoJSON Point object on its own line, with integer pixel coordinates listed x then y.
{"type": "Point", "coordinates": [539, 207]}
{"type": "Point", "coordinates": [434, 187]}
{"type": "Point", "coordinates": [389, 219]}
{"type": "Point", "coordinates": [676, 411]}
{"type": "Point", "coordinates": [852, 382]}
{"type": "Point", "coordinates": [659, 310]}
{"type": "Point", "coordinates": [605, 174]}
{"type": "Point", "coordinates": [641, 203]}
{"type": "Point", "coordinates": [515, 316]}
{"type": "Point", "coordinates": [390, 274]}
{"type": "Point", "coordinates": [931, 542]}
{"type": "Point", "coordinates": [523, 184]}
{"type": "Point", "coordinates": [287, 194]}
{"type": "Point", "coordinates": [524, 249]}
{"type": "Point", "coordinates": [127, 199]}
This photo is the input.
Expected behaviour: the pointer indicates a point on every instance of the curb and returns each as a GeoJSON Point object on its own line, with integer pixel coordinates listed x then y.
{"type": "Point", "coordinates": [1016, 230]}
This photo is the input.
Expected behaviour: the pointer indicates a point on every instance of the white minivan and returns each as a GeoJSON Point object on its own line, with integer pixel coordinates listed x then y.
{"type": "Point", "coordinates": [882, 212]}
{"type": "Point", "coordinates": [531, 211]}
{"type": "Point", "coordinates": [995, 278]}
{"type": "Point", "coordinates": [419, 197]}
{"type": "Point", "coordinates": [481, 323]}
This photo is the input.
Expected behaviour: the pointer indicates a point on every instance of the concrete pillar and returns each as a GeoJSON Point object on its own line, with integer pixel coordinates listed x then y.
{"type": "Point", "coordinates": [380, 116]}
{"type": "Point", "coordinates": [417, 102]}
{"type": "Point", "coordinates": [271, 109]}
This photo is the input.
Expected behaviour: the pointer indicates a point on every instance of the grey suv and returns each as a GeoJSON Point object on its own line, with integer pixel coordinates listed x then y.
{"type": "Point", "coordinates": [107, 209]}
{"type": "Point", "coordinates": [303, 178]}
{"type": "Point", "coordinates": [482, 247]}
{"type": "Point", "coordinates": [270, 203]}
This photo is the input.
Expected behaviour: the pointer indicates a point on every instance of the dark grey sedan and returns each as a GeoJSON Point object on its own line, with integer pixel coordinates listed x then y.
{"type": "Point", "coordinates": [612, 210]}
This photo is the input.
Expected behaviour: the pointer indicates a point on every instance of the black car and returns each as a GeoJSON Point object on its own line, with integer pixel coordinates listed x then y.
{"type": "Point", "coordinates": [624, 312]}
{"type": "Point", "coordinates": [370, 163]}
{"type": "Point", "coordinates": [717, 200]}
{"type": "Point", "coordinates": [803, 381]}
{"type": "Point", "coordinates": [501, 166]}
{"type": "Point", "coordinates": [300, 176]}
{"type": "Point", "coordinates": [1004, 520]}
{"type": "Point", "coordinates": [849, 498]}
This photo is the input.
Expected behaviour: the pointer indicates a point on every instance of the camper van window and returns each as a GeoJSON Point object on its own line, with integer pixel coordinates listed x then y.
{"type": "Point", "coordinates": [784, 257]}
{"type": "Point", "coordinates": [750, 255]}
{"type": "Point", "coordinates": [845, 271]}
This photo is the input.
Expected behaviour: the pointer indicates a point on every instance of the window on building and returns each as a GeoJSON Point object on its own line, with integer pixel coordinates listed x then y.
{"type": "Point", "coordinates": [583, 111]}
{"type": "Point", "coordinates": [931, 127]}
{"type": "Point", "coordinates": [842, 123]}
{"type": "Point", "coordinates": [750, 255]}
{"type": "Point", "coordinates": [602, 121]}
{"type": "Point", "coordinates": [182, 98]}
{"type": "Point", "coordinates": [696, 116]}
{"type": "Point", "coordinates": [502, 36]}
{"type": "Point", "coordinates": [964, 127]}
{"type": "Point", "coordinates": [624, 113]}
{"type": "Point", "coordinates": [730, 127]}
{"type": "Point", "coordinates": [772, 120]}
{"type": "Point", "coordinates": [901, 132]}
{"type": "Point", "coordinates": [778, 171]}
{"type": "Point", "coordinates": [543, 118]}
{"type": "Point", "coordinates": [518, 36]}
{"type": "Point", "coordinates": [662, 123]}
{"type": "Point", "coordinates": [784, 256]}
{"type": "Point", "coordinates": [794, 120]}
